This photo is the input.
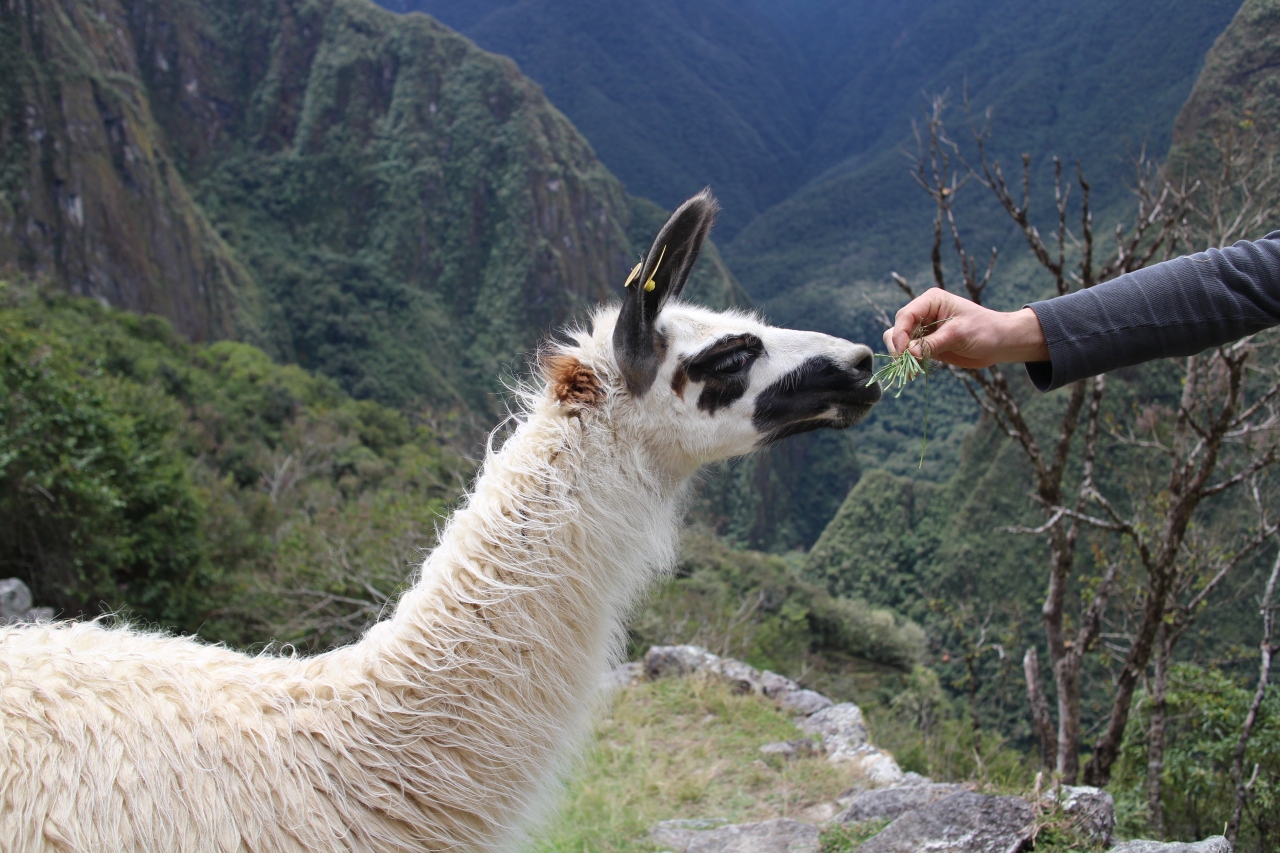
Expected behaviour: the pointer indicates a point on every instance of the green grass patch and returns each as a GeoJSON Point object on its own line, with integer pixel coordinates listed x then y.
{"type": "Point", "coordinates": [677, 749]}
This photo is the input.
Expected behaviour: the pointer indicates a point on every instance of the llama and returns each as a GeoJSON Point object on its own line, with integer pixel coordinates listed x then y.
{"type": "Point", "coordinates": [447, 724]}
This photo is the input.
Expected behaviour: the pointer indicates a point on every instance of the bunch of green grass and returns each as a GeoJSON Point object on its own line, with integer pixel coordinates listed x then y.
{"type": "Point", "coordinates": [906, 367]}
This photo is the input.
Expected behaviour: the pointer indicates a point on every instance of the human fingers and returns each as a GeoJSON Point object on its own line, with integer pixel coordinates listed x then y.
{"type": "Point", "coordinates": [933, 307]}
{"type": "Point", "coordinates": [939, 340]}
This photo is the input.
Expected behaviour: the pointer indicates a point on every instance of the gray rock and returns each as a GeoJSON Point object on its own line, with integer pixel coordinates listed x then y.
{"type": "Point", "coordinates": [892, 802]}
{"type": "Point", "coordinates": [742, 678]}
{"type": "Point", "coordinates": [15, 604]}
{"type": "Point", "coordinates": [961, 823]}
{"type": "Point", "coordinates": [675, 835]}
{"type": "Point", "coordinates": [790, 748]}
{"type": "Point", "coordinates": [15, 597]}
{"type": "Point", "coordinates": [622, 676]}
{"type": "Point", "coordinates": [804, 702]}
{"type": "Point", "coordinates": [1094, 810]}
{"type": "Point", "coordinates": [772, 836]}
{"type": "Point", "coordinates": [674, 661]}
{"type": "Point", "coordinates": [840, 727]}
{"type": "Point", "coordinates": [1216, 844]}
{"type": "Point", "coordinates": [913, 778]}
{"type": "Point", "coordinates": [776, 685]}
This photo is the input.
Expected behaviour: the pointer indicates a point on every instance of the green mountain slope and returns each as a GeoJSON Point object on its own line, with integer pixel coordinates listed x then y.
{"type": "Point", "coordinates": [1239, 74]}
{"type": "Point", "coordinates": [794, 110]}
{"type": "Point", "coordinates": [674, 96]}
{"type": "Point", "coordinates": [1085, 82]}
{"type": "Point", "coordinates": [371, 197]}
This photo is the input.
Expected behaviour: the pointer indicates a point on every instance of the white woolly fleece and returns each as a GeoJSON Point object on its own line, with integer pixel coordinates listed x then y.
{"type": "Point", "coordinates": [440, 730]}
{"type": "Point", "coordinates": [446, 725]}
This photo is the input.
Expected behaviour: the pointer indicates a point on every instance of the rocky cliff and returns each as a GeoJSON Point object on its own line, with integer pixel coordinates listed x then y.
{"type": "Point", "coordinates": [366, 194]}
{"type": "Point", "coordinates": [90, 195]}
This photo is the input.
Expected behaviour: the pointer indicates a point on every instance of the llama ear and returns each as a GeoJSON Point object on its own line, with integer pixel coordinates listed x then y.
{"type": "Point", "coordinates": [655, 280]}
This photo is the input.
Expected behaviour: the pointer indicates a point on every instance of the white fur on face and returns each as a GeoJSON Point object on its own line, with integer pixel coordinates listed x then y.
{"type": "Point", "coordinates": [694, 416]}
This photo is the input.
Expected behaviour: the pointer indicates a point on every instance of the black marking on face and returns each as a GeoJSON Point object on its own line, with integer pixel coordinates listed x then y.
{"type": "Point", "coordinates": [724, 369]}
{"type": "Point", "coordinates": [819, 393]}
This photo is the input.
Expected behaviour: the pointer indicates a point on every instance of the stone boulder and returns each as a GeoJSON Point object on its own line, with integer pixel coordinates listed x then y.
{"type": "Point", "coordinates": [844, 739]}
{"type": "Point", "coordinates": [963, 822]}
{"type": "Point", "coordinates": [1216, 844]}
{"type": "Point", "coordinates": [772, 836]}
{"type": "Point", "coordinates": [776, 686]}
{"type": "Point", "coordinates": [622, 676]}
{"type": "Point", "coordinates": [1093, 810]}
{"type": "Point", "coordinates": [841, 727]}
{"type": "Point", "coordinates": [742, 678]}
{"type": "Point", "coordinates": [15, 604]}
{"type": "Point", "coordinates": [804, 702]}
{"type": "Point", "coordinates": [892, 803]}
{"type": "Point", "coordinates": [675, 661]}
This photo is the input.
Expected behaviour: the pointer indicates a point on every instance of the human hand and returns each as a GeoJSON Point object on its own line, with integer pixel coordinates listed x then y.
{"type": "Point", "coordinates": [964, 333]}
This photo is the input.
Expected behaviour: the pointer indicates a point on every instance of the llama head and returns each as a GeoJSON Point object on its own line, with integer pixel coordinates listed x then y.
{"type": "Point", "coordinates": [696, 385]}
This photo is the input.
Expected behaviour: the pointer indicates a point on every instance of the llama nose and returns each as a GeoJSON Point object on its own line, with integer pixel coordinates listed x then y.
{"type": "Point", "coordinates": [864, 364]}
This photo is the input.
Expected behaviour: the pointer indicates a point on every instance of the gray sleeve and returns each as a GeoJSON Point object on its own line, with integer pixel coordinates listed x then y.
{"type": "Point", "coordinates": [1177, 308]}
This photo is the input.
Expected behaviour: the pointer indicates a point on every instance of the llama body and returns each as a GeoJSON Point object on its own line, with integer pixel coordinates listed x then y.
{"type": "Point", "coordinates": [444, 726]}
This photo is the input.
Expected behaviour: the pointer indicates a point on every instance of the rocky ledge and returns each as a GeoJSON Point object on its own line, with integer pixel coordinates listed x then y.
{"type": "Point", "coordinates": [916, 813]}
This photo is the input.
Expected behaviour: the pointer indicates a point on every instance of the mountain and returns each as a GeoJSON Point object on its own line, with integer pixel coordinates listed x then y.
{"type": "Point", "coordinates": [795, 110]}
{"type": "Point", "coordinates": [674, 96]}
{"type": "Point", "coordinates": [368, 196]}
{"type": "Point", "coordinates": [1239, 74]}
{"type": "Point", "coordinates": [89, 192]}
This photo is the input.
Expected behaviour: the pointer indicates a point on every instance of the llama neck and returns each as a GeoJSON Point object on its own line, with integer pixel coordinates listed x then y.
{"type": "Point", "coordinates": [493, 658]}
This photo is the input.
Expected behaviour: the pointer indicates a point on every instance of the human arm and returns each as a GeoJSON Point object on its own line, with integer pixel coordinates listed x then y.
{"type": "Point", "coordinates": [1176, 308]}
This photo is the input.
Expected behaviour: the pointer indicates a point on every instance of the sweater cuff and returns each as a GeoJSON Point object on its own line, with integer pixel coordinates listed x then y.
{"type": "Point", "coordinates": [1041, 374]}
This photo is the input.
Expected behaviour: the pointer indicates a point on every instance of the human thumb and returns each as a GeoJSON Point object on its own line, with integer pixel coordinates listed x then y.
{"type": "Point", "coordinates": [946, 337]}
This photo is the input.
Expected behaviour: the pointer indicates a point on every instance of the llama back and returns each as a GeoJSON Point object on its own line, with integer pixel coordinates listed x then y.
{"type": "Point", "coordinates": [113, 740]}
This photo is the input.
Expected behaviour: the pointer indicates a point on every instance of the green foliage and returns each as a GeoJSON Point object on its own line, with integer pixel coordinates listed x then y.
{"type": "Point", "coordinates": [846, 837]}
{"type": "Point", "coordinates": [928, 731]}
{"type": "Point", "coordinates": [752, 606]}
{"type": "Point", "coordinates": [202, 488]}
{"type": "Point", "coordinates": [1204, 712]}
{"type": "Point", "coordinates": [99, 505]}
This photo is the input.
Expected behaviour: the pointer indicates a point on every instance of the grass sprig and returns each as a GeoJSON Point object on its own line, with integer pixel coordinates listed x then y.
{"type": "Point", "coordinates": [906, 367]}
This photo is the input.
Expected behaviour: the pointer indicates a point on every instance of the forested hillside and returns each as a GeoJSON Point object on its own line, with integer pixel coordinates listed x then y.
{"type": "Point", "coordinates": [368, 196]}
{"type": "Point", "coordinates": [794, 112]}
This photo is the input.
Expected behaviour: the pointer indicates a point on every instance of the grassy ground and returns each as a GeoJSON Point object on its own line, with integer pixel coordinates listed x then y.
{"type": "Point", "coordinates": [683, 748]}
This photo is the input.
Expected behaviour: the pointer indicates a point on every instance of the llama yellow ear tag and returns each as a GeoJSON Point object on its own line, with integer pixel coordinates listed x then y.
{"type": "Point", "coordinates": [635, 271]}
{"type": "Point", "coordinates": [651, 284]}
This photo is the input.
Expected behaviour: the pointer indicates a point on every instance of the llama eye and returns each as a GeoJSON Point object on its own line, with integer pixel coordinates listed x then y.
{"type": "Point", "coordinates": [734, 362]}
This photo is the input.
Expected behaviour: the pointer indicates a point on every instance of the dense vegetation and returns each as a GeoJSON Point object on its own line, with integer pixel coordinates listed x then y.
{"type": "Point", "coordinates": [201, 488]}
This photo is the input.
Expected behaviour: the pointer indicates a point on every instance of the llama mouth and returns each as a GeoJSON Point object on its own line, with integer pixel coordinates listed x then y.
{"type": "Point", "coordinates": [820, 394]}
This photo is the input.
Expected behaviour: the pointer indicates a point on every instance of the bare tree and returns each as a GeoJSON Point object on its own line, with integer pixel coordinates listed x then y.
{"type": "Point", "coordinates": [1221, 409]}
{"type": "Point", "coordinates": [1268, 647]}
{"type": "Point", "coordinates": [1197, 576]}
